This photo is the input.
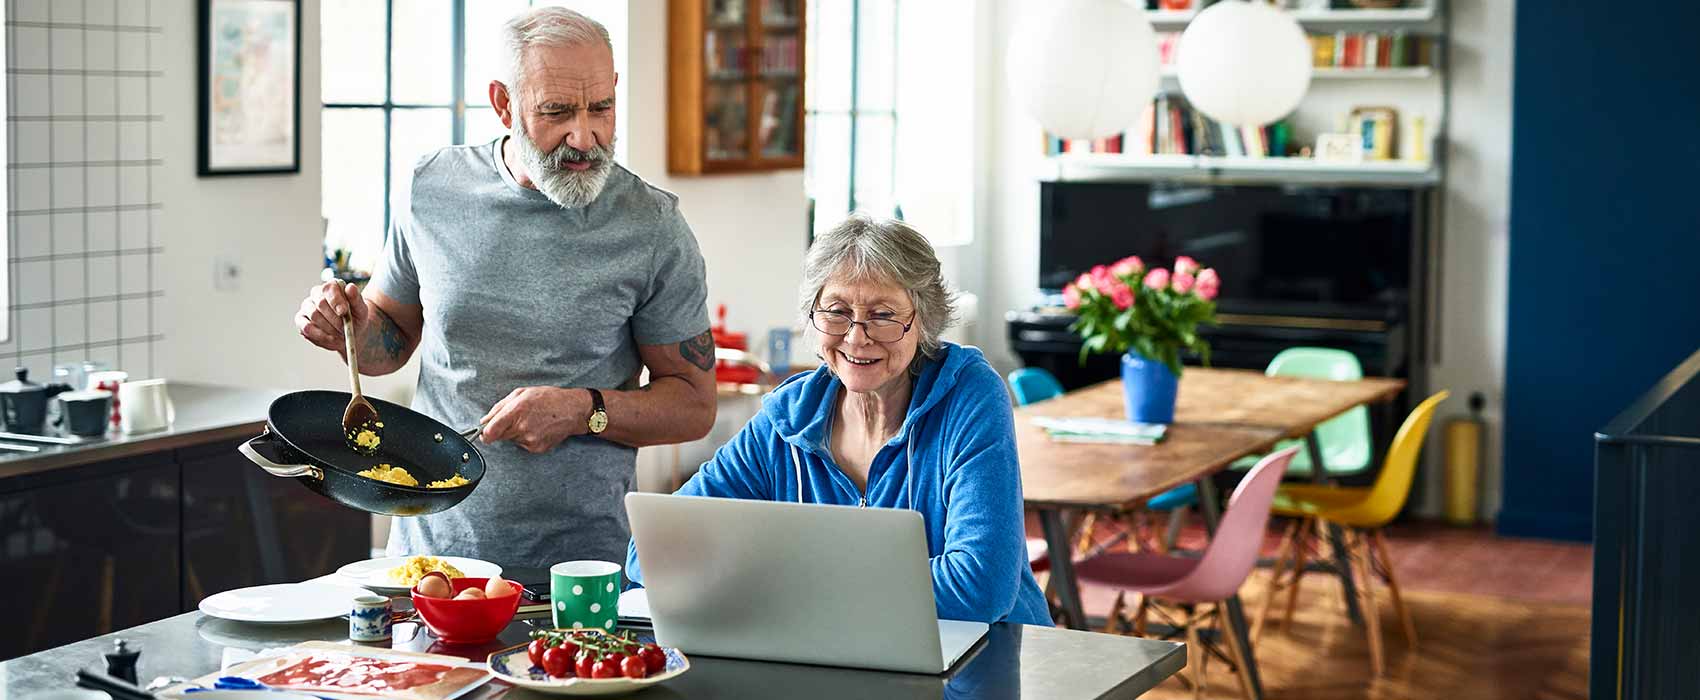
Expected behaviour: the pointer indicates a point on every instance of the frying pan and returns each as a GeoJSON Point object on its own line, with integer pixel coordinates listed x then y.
{"type": "Point", "coordinates": [303, 440]}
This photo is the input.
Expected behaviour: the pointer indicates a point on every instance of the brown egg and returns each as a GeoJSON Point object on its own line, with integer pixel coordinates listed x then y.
{"type": "Point", "coordinates": [497, 588]}
{"type": "Point", "coordinates": [470, 593]}
{"type": "Point", "coordinates": [435, 585]}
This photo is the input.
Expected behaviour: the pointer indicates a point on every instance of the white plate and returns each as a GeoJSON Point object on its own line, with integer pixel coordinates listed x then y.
{"type": "Point", "coordinates": [514, 666]}
{"type": "Point", "coordinates": [282, 603]}
{"type": "Point", "coordinates": [373, 574]}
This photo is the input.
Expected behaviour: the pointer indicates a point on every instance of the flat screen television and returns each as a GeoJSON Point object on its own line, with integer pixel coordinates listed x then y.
{"type": "Point", "coordinates": [1332, 252]}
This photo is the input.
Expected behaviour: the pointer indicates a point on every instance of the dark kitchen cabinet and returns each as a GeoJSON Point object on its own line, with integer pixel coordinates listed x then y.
{"type": "Point", "coordinates": [114, 544]}
{"type": "Point", "coordinates": [90, 554]}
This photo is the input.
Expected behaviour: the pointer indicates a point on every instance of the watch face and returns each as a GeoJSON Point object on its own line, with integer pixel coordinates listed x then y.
{"type": "Point", "coordinates": [598, 421]}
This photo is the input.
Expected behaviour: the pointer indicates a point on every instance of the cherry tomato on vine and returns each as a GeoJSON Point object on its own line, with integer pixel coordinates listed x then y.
{"type": "Point", "coordinates": [557, 662]}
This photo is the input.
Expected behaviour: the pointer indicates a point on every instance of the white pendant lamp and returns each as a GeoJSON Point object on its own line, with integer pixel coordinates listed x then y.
{"type": "Point", "coordinates": [1085, 69]}
{"type": "Point", "coordinates": [1243, 63]}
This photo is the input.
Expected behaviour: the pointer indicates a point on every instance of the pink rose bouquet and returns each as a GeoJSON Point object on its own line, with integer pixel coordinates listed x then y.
{"type": "Point", "coordinates": [1153, 312]}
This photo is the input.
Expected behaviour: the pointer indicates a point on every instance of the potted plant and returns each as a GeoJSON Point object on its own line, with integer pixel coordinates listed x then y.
{"type": "Point", "coordinates": [1149, 316]}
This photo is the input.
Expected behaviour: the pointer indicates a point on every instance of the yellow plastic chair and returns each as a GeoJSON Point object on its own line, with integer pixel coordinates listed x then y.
{"type": "Point", "coordinates": [1361, 513]}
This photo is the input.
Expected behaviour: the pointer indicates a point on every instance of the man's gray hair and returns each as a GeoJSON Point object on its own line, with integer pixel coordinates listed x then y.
{"type": "Point", "coordinates": [864, 248]}
{"type": "Point", "coordinates": [546, 26]}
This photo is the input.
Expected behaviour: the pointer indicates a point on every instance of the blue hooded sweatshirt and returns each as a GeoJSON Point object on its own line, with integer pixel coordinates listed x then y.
{"type": "Point", "coordinates": [954, 460]}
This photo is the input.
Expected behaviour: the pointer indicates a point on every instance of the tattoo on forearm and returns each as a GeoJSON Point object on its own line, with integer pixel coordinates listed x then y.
{"type": "Point", "coordinates": [383, 341]}
{"type": "Point", "coordinates": [699, 351]}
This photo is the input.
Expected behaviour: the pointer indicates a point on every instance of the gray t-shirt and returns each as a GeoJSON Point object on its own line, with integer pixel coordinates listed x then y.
{"type": "Point", "coordinates": [518, 292]}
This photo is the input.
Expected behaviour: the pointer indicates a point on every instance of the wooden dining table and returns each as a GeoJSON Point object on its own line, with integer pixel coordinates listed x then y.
{"type": "Point", "coordinates": [1221, 416]}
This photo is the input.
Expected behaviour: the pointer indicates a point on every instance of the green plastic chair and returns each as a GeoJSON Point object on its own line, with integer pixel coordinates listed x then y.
{"type": "Point", "coordinates": [1346, 444]}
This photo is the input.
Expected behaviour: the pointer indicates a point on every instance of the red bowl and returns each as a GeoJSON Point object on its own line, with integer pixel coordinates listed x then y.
{"type": "Point", "coordinates": [473, 621]}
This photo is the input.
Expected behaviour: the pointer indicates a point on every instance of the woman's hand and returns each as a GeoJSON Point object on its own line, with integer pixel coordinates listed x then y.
{"type": "Point", "coordinates": [537, 418]}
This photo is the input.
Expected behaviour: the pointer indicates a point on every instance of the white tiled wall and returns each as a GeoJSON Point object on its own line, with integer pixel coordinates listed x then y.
{"type": "Point", "coordinates": [84, 233]}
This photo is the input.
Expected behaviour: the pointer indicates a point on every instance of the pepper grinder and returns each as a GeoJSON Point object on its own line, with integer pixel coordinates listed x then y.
{"type": "Point", "coordinates": [121, 661]}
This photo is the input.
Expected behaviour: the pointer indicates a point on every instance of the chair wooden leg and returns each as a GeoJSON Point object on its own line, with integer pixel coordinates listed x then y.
{"type": "Point", "coordinates": [1115, 615]}
{"type": "Point", "coordinates": [1139, 615]}
{"type": "Point", "coordinates": [1195, 650]}
{"type": "Point", "coordinates": [1083, 543]}
{"type": "Point", "coordinates": [1242, 657]}
{"type": "Point", "coordinates": [1405, 621]}
{"type": "Point", "coordinates": [1358, 553]}
{"type": "Point", "coordinates": [1301, 548]}
{"type": "Point", "coordinates": [1281, 554]}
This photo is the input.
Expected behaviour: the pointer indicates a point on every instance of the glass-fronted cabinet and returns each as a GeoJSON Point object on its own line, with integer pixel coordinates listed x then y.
{"type": "Point", "coordinates": [735, 85]}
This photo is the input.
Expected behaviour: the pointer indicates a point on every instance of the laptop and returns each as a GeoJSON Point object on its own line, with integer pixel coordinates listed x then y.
{"type": "Point", "coordinates": [799, 583]}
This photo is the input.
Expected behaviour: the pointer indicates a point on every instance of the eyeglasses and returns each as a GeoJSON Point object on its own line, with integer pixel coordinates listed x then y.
{"type": "Point", "coordinates": [879, 330]}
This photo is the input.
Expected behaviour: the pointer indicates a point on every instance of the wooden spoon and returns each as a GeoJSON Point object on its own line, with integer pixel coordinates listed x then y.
{"type": "Point", "coordinates": [361, 428]}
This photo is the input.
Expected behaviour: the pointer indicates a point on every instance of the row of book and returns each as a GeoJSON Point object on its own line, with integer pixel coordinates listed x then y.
{"type": "Point", "coordinates": [723, 54]}
{"type": "Point", "coordinates": [1343, 49]}
{"type": "Point", "coordinates": [779, 55]}
{"type": "Point", "coordinates": [1396, 49]}
{"type": "Point", "coordinates": [1170, 125]}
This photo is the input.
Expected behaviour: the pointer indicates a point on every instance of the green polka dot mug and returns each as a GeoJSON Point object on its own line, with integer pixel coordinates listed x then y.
{"type": "Point", "coordinates": [585, 594]}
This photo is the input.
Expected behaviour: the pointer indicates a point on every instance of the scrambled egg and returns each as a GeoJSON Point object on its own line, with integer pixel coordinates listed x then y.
{"type": "Point", "coordinates": [365, 439]}
{"type": "Point", "coordinates": [394, 475]}
{"type": "Point", "coordinates": [449, 483]}
{"type": "Point", "coordinates": [408, 574]}
{"type": "Point", "coordinates": [398, 475]}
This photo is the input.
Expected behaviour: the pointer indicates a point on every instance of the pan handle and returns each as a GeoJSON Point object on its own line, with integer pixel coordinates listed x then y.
{"type": "Point", "coordinates": [474, 430]}
{"type": "Point", "coordinates": [273, 468]}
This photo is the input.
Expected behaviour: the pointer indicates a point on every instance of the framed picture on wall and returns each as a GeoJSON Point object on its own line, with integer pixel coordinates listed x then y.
{"type": "Point", "coordinates": [250, 87]}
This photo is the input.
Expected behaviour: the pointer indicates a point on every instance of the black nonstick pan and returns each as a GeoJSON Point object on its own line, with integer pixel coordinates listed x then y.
{"type": "Point", "coordinates": [303, 440]}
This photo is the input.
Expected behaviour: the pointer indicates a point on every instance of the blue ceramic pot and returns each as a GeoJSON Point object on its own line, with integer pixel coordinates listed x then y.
{"type": "Point", "coordinates": [1148, 389]}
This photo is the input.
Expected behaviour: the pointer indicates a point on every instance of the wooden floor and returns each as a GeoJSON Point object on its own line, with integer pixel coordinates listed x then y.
{"type": "Point", "coordinates": [1495, 617]}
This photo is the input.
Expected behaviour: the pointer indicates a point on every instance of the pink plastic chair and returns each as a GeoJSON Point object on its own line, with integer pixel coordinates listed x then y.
{"type": "Point", "coordinates": [1038, 555]}
{"type": "Point", "coordinates": [1194, 582]}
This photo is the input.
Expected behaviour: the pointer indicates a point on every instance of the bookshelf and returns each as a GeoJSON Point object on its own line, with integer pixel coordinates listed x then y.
{"type": "Point", "coordinates": [1404, 15]}
{"type": "Point", "coordinates": [1171, 19]}
{"type": "Point", "coordinates": [1379, 74]}
{"type": "Point", "coordinates": [734, 85]}
{"type": "Point", "coordinates": [1331, 73]}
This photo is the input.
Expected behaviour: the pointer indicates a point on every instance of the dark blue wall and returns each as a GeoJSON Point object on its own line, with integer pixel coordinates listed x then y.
{"type": "Point", "coordinates": [1605, 237]}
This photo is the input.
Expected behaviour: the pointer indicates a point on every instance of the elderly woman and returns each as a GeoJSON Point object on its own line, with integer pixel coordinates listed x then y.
{"type": "Point", "coordinates": [893, 418]}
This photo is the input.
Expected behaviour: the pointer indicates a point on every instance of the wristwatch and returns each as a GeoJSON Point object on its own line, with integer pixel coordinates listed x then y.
{"type": "Point", "coordinates": [598, 413]}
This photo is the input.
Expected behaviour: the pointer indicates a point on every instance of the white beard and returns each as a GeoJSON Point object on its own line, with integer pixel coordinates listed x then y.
{"type": "Point", "coordinates": [566, 187]}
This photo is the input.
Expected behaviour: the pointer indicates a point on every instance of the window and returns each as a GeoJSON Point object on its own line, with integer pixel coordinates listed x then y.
{"type": "Point", "coordinates": [392, 93]}
{"type": "Point", "coordinates": [889, 142]}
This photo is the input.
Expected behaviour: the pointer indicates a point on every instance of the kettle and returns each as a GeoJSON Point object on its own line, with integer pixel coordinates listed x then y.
{"type": "Point", "coordinates": [23, 403]}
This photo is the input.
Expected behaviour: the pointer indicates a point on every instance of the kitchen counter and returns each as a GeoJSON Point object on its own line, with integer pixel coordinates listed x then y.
{"type": "Point", "coordinates": [1015, 661]}
{"type": "Point", "coordinates": [205, 413]}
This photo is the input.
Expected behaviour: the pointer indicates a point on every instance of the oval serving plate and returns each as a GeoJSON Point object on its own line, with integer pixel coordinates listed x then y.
{"type": "Point", "coordinates": [373, 574]}
{"type": "Point", "coordinates": [514, 666]}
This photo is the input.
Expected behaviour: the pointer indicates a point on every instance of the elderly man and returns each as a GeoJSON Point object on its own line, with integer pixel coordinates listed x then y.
{"type": "Point", "coordinates": [535, 277]}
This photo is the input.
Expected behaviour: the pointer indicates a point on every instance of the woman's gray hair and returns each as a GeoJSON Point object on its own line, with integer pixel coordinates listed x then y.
{"type": "Point", "coordinates": [864, 248]}
{"type": "Point", "coordinates": [546, 26]}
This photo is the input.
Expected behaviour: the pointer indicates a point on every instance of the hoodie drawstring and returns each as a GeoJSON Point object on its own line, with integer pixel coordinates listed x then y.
{"type": "Point", "coordinates": [798, 465]}
{"type": "Point", "coordinates": [909, 454]}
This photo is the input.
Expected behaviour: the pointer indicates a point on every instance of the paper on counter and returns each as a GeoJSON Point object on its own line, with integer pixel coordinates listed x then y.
{"type": "Point", "coordinates": [634, 603]}
{"type": "Point", "coordinates": [1109, 429]}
